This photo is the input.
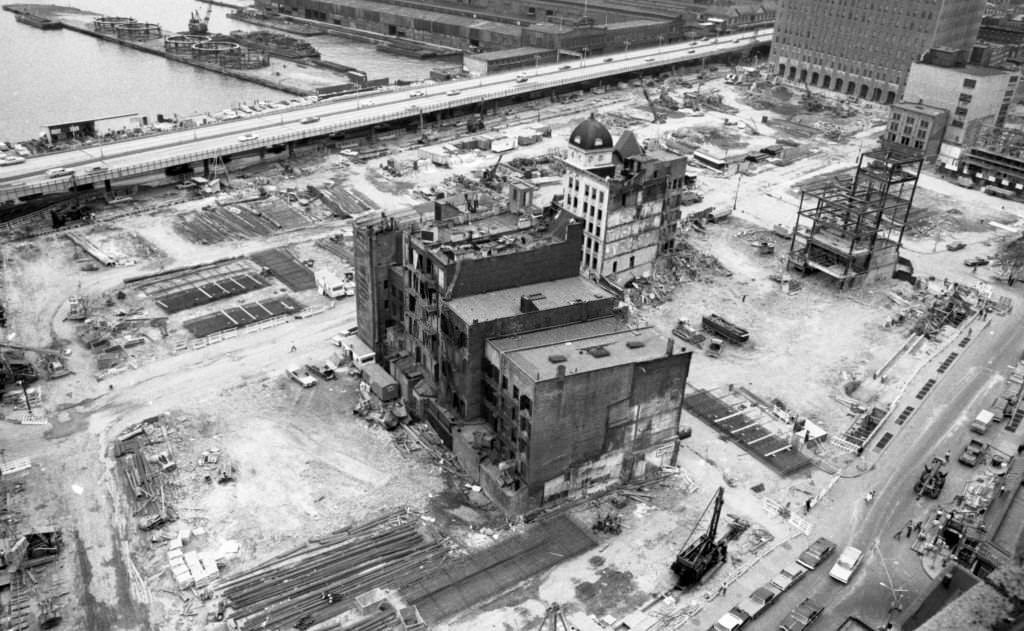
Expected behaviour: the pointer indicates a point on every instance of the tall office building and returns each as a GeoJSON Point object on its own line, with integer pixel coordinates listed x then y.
{"type": "Point", "coordinates": [865, 47]}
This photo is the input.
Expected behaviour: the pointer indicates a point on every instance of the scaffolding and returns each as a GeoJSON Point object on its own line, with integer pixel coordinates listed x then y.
{"type": "Point", "coordinates": [851, 229]}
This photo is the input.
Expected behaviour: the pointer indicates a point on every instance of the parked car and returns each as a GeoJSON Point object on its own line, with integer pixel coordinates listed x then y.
{"type": "Point", "coordinates": [976, 261]}
{"type": "Point", "coordinates": [309, 119]}
{"type": "Point", "coordinates": [59, 172]}
{"type": "Point", "coordinates": [973, 452]}
{"type": "Point", "coordinates": [349, 153]}
{"type": "Point", "coordinates": [322, 370]}
{"type": "Point", "coordinates": [788, 576]}
{"type": "Point", "coordinates": [7, 161]}
{"type": "Point", "coordinates": [956, 246]}
{"type": "Point", "coordinates": [248, 137]}
{"type": "Point", "coordinates": [802, 617]}
{"type": "Point", "coordinates": [816, 553]}
{"type": "Point", "coordinates": [847, 563]}
{"type": "Point", "coordinates": [729, 621]}
{"type": "Point", "coordinates": [299, 375]}
{"type": "Point", "coordinates": [758, 601]}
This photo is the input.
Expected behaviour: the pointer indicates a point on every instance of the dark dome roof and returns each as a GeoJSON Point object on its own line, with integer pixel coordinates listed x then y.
{"type": "Point", "coordinates": [591, 134]}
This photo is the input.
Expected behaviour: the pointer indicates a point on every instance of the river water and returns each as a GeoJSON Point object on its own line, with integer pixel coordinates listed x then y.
{"type": "Point", "coordinates": [60, 76]}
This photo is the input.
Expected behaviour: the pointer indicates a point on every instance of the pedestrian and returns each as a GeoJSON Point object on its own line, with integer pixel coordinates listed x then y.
{"type": "Point", "coordinates": [918, 526]}
{"type": "Point", "coordinates": [898, 534]}
{"type": "Point", "coordinates": [744, 298]}
{"type": "Point", "coordinates": [807, 506]}
{"type": "Point", "coordinates": [969, 331]}
{"type": "Point", "coordinates": [1002, 489]}
{"type": "Point", "coordinates": [293, 349]}
{"type": "Point", "coordinates": [910, 529]}
{"type": "Point", "coordinates": [947, 456]}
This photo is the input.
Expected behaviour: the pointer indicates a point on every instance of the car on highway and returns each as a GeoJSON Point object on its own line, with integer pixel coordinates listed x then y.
{"type": "Point", "coordinates": [453, 92]}
{"type": "Point", "coordinates": [416, 94]}
{"type": "Point", "coordinates": [648, 58]}
{"type": "Point", "coordinates": [59, 172]}
{"type": "Point", "coordinates": [815, 553]}
{"type": "Point", "coordinates": [758, 601]}
{"type": "Point", "coordinates": [566, 67]}
{"type": "Point", "coordinates": [7, 161]}
{"type": "Point", "coordinates": [802, 617]}
{"type": "Point", "coordinates": [301, 376]}
{"type": "Point", "coordinates": [788, 576]}
{"type": "Point", "coordinates": [309, 119]}
{"type": "Point", "coordinates": [96, 168]}
{"type": "Point", "coordinates": [522, 78]}
{"type": "Point", "coordinates": [976, 261]}
{"type": "Point", "coordinates": [607, 59]}
{"type": "Point", "coordinates": [730, 621]}
{"type": "Point", "coordinates": [847, 564]}
{"type": "Point", "coordinates": [248, 137]}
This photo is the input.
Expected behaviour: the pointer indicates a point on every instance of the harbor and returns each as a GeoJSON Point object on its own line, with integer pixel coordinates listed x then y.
{"type": "Point", "coordinates": [261, 62]}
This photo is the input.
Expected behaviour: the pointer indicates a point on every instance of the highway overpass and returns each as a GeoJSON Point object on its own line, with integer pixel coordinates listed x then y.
{"type": "Point", "coordinates": [101, 164]}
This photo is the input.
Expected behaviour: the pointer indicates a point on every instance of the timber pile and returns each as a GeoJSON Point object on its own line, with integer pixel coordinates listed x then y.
{"type": "Point", "coordinates": [144, 470]}
{"type": "Point", "coordinates": [320, 581]}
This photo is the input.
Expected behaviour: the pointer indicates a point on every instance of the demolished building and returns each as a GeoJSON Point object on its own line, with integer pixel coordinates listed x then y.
{"type": "Point", "coordinates": [527, 370]}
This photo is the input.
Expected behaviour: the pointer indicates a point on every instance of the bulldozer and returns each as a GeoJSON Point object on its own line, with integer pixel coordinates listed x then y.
{"type": "Point", "coordinates": [932, 479]}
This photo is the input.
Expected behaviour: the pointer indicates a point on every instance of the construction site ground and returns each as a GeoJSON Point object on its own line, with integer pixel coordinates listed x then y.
{"type": "Point", "coordinates": [307, 465]}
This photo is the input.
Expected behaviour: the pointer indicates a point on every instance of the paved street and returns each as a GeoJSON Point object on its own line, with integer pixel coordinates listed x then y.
{"type": "Point", "coordinates": [940, 423]}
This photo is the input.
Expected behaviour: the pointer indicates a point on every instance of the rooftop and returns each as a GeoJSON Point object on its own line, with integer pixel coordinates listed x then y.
{"type": "Point", "coordinates": [583, 348]}
{"type": "Point", "coordinates": [920, 108]}
{"type": "Point", "coordinates": [505, 303]}
{"type": "Point", "coordinates": [971, 70]}
{"type": "Point", "coordinates": [485, 234]}
{"type": "Point", "coordinates": [510, 53]}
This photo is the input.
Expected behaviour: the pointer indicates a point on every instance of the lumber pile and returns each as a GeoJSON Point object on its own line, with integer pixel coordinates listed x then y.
{"type": "Point", "coordinates": [328, 579]}
{"type": "Point", "coordinates": [144, 468]}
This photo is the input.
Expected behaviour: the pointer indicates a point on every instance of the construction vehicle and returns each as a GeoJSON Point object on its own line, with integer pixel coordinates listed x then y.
{"type": "Point", "coordinates": [688, 333]}
{"type": "Point", "coordinates": [489, 176]}
{"type": "Point", "coordinates": [700, 558]}
{"type": "Point", "coordinates": [719, 326]}
{"type": "Point", "coordinates": [666, 100]}
{"type": "Point", "coordinates": [200, 25]}
{"type": "Point", "coordinates": [658, 117]}
{"type": "Point", "coordinates": [809, 100]}
{"type": "Point", "coordinates": [14, 367]}
{"type": "Point", "coordinates": [474, 123]}
{"type": "Point", "coordinates": [554, 620]}
{"type": "Point", "coordinates": [932, 479]}
{"type": "Point", "coordinates": [714, 347]}
{"type": "Point", "coordinates": [77, 309]}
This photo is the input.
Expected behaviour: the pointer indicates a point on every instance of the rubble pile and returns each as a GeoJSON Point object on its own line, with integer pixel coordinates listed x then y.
{"type": "Point", "coordinates": [145, 462]}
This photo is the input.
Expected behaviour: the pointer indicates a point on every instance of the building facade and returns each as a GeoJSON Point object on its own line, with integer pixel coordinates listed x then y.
{"type": "Point", "coordinates": [969, 93]}
{"type": "Point", "coordinates": [916, 127]}
{"type": "Point", "coordinates": [993, 158]}
{"type": "Point", "coordinates": [628, 200]}
{"type": "Point", "coordinates": [864, 48]}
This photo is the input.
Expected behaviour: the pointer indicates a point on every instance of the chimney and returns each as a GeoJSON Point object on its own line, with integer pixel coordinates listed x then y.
{"type": "Point", "coordinates": [670, 347]}
{"type": "Point", "coordinates": [438, 213]}
{"type": "Point", "coordinates": [560, 371]}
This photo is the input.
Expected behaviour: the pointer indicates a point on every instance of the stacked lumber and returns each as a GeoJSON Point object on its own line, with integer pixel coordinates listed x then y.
{"type": "Point", "coordinates": [321, 580]}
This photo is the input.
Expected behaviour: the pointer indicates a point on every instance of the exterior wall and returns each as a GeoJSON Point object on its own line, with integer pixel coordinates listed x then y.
{"type": "Point", "coordinates": [968, 97]}
{"type": "Point", "coordinates": [863, 47]}
{"type": "Point", "coordinates": [376, 246]}
{"type": "Point", "coordinates": [488, 63]}
{"type": "Point", "coordinates": [463, 348]}
{"type": "Point", "coordinates": [564, 432]}
{"type": "Point", "coordinates": [910, 128]}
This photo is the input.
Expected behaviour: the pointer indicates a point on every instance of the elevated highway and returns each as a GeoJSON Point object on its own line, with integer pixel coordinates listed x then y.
{"type": "Point", "coordinates": [101, 164]}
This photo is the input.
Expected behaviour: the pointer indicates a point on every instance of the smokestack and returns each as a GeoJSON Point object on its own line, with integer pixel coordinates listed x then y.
{"type": "Point", "coordinates": [670, 347]}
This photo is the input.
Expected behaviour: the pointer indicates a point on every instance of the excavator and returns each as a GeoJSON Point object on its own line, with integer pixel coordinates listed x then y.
{"type": "Point", "coordinates": [14, 367]}
{"type": "Point", "coordinates": [810, 101]}
{"type": "Point", "coordinates": [658, 117]}
{"type": "Point", "coordinates": [699, 558]}
{"type": "Point", "coordinates": [489, 177]}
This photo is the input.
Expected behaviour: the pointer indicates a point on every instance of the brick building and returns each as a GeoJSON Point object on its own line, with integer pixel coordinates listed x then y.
{"type": "Point", "coordinates": [627, 198]}
{"type": "Point", "coordinates": [917, 127]}
{"type": "Point", "coordinates": [864, 47]}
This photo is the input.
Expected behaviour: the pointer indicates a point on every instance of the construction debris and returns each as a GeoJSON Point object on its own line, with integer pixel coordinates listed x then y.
{"type": "Point", "coordinates": [145, 470]}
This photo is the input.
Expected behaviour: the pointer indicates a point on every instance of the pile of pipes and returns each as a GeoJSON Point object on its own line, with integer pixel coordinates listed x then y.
{"type": "Point", "coordinates": [327, 583]}
{"type": "Point", "coordinates": [144, 462]}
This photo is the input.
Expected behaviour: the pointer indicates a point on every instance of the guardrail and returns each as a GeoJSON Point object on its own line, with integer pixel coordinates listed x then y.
{"type": "Point", "coordinates": [415, 108]}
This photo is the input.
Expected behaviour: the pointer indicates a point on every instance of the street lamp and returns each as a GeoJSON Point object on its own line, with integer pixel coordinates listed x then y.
{"type": "Point", "coordinates": [583, 57]}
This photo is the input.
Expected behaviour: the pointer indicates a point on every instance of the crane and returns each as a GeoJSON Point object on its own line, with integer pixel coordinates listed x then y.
{"type": "Point", "coordinates": [554, 620]}
{"type": "Point", "coordinates": [658, 118]}
{"type": "Point", "coordinates": [487, 178]}
{"type": "Point", "coordinates": [698, 559]}
{"type": "Point", "coordinates": [200, 25]}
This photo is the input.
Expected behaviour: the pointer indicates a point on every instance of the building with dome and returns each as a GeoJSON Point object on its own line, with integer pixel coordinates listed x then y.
{"type": "Point", "coordinates": [628, 199]}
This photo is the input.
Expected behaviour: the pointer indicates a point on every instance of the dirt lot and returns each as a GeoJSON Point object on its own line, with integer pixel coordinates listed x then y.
{"type": "Point", "coordinates": [307, 465]}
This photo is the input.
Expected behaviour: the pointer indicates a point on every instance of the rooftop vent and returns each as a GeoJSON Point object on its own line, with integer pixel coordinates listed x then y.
{"type": "Point", "coordinates": [635, 344]}
{"type": "Point", "coordinates": [597, 351]}
{"type": "Point", "coordinates": [557, 359]}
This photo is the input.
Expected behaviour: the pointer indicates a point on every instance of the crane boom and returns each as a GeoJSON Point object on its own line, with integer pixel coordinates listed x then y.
{"type": "Point", "coordinates": [698, 559]}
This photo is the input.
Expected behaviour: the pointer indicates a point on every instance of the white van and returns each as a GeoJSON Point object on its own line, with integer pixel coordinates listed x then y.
{"type": "Point", "coordinates": [981, 422]}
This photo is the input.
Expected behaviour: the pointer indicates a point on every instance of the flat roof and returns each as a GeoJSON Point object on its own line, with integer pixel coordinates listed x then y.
{"type": "Point", "coordinates": [582, 349]}
{"type": "Point", "coordinates": [507, 53]}
{"type": "Point", "coordinates": [921, 108]}
{"type": "Point", "coordinates": [505, 303]}
{"type": "Point", "coordinates": [970, 69]}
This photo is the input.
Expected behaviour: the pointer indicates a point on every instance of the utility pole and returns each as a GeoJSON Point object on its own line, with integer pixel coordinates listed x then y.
{"type": "Point", "coordinates": [736, 197]}
{"type": "Point", "coordinates": [895, 592]}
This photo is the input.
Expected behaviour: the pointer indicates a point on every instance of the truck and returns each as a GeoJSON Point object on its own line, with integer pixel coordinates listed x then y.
{"type": "Point", "coordinates": [718, 326]}
{"type": "Point", "coordinates": [932, 479]}
{"type": "Point", "coordinates": [333, 284]}
{"type": "Point", "coordinates": [687, 333]}
{"type": "Point", "coordinates": [973, 452]}
{"type": "Point", "coordinates": [981, 422]}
